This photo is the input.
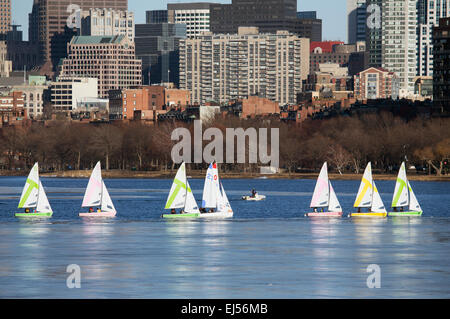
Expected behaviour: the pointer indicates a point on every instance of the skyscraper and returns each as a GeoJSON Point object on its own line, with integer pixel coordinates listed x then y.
{"type": "Point", "coordinates": [374, 32]}
{"type": "Point", "coordinates": [5, 16]}
{"type": "Point", "coordinates": [429, 13]}
{"type": "Point", "coordinates": [441, 74]}
{"type": "Point", "coordinates": [356, 19]}
{"type": "Point", "coordinates": [49, 25]}
{"type": "Point", "coordinates": [196, 16]}
{"type": "Point", "coordinates": [399, 47]}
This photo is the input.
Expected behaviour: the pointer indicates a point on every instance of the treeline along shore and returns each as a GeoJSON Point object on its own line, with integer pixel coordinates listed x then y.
{"type": "Point", "coordinates": [347, 143]}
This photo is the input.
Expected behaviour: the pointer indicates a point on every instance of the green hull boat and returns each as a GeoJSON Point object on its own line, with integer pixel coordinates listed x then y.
{"type": "Point", "coordinates": [405, 214]}
{"type": "Point", "coordinates": [27, 215]}
{"type": "Point", "coordinates": [177, 216]}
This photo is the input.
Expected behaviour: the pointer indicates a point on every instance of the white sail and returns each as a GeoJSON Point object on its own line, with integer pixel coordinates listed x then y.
{"type": "Point", "coordinates": [221, 203]}
{"type": "Point", "coordinates": [400, 197]}
{"type": "Point", "coordinates": [43, 206]}
{"type": "Point", "coordinates": [210, 190]}
{"type": "Point", "coordinates": [225, 198]}
{"type": "Point", "coordinates": [30, 191]}
{"type": "Point", "coordinates": [107, 204]}
{"type": "Point", "coordinates": [413, 202]}
{"type": "Point", "coordinates": [177, 194]}
{"type": "Point", "coordinates": [334, 205]}
{"type": "Point", "coordinates": [93, 195]}
{"type": "Point", "coordinates": [321, 191]}
{"type": "Point", "coordinates": [377, 202]}
{"type": "Point", "coordinates": [190, 205]}
{"type": "Point", "coordinates": [364, 197]}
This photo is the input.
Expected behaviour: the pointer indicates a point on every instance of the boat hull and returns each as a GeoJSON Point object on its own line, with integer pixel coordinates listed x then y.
{"type": "Point", "coordinates": [29, 215]}
{"type": "Point", "coordinates": [369, 215]}
{"type": "Point", "coordinates": [217, 215]}
{"type": "Point", "coordinates": [324, 214]}
{"type": "Point", "coordinates": [98, 214]}
{"type": "Point", "coordinates": [405, 214]}
{"type": "Point", "coordinates": [181, 216]}
{"type": "Point", "coordinates": [259, 197]}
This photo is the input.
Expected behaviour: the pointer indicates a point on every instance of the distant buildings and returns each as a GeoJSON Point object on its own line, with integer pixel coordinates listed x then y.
{"type": "Point", "coordinates": [376, 83]}
{"type": "Point", "coordinates": [337, 52]}
{"type": "Point", "coordinates": [195, 15]}
{"type": "Point", "coordinates": [5, 16]}
{"type": "Point", "coordinates": [441, 70]}
{"type": "Point", "coordinates": [157, 45]}
{"type": "Point", "coordinates": [356, 20]}
{"type": "Point", "coordinates": [156, 16]}
{"type": "Point", "coordinates": [5, 65]}
{"type": "Point", "coordinates": [110, 59]}
{"type": "Point", "coordinates": [147, 102]}
{"type": "Point", "coordinates": [107, 22]}
{"type": "Point", "coordinates": [12, 111]}
{"type": "Point", "coordinates": [35, 93]}
{"type": "Point", "coordinates": [226, 67]}
{"type": "Point", "coordinates": [374, 38]}
{"type": "Point", "coordinates": [48, 26]}
{"type": "Point", "coordinates": [67, 92]}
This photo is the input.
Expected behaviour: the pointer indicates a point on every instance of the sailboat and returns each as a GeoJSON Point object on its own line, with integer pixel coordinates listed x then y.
{"type": "Point", "coordinates": [324, 196]}
{"type": "Point", "coordinates": [214, 196]}
{"type": "Point", "coordinates": [404, 196]}
{"type": "Point", "coordinates": [97, 195]}
{"type": "Point", "coordinates": [369, 197]}
{"type": "Point", "coordinates": [34, 197]}
{"type": "Point", "coordinates": [181, 196]}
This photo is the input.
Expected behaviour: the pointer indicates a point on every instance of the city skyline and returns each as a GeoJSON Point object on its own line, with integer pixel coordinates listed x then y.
{"type": "Point", "coordinates": [332, 13]}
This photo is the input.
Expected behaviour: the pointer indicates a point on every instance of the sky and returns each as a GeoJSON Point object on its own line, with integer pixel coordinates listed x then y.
{"type": "Point", "coordinates": [332, 12]}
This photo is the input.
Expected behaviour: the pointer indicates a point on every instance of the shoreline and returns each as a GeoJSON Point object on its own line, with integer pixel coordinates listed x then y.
{"type": "Point", "coordinates": [120, 174]}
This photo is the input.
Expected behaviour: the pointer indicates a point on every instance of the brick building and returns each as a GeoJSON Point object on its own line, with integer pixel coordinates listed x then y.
{"type": "Point", "coordinates": [376, 83]}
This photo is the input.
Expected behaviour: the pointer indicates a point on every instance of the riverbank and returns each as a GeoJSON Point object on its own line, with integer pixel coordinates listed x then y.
{"type": "Point", "coordinates": [226, 175]}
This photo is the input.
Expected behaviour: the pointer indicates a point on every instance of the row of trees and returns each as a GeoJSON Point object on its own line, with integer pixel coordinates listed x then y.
{"type": "Point", "coordinates": [347, 143]}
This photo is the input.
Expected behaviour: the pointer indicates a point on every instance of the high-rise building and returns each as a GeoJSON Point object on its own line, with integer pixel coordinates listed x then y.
{"type": "Point", "coordinates": [51, 27]}
{"type": "Point", "coordinates": [156, 16]}
{"type": "Point", "coordinates": [110, 59]}
{"type": "Point", "coordinates": [374, 32]}
{"type": "Point", "coordinates": [5, 16]}
{"type": "Point", "coordinates": [107, 22]}
{"type": "Point", "coordinates": [157, 45]}
{"type": "Point", "coordinates": [227, 67]}
{"type": "Point", "coordinates": [268, 15]}
{"type": "Point", "coordinates": [429, 13]}
{"type": "Point", "coordinates": [356, 19]}
{"type": "Point", "coordinates": [307, 14]}
{"type": "Point", "coordinates": [399, 42]}
{"type": "Point", "coordinates": [441, 70]}
{"type": "Point", "coordinates": [195, 15]}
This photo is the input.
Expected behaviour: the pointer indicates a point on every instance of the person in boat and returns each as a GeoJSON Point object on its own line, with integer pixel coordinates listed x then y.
{"type": "Point", "coordinates": [202, 210]}
{"type": "Point", "coordinates": [395, 209]}
{"type": "Point", "coordinates": [315, 209]}
{"type": "Point", "coordinates": [91, 209]}
{"type": "Point", "coordinates": [27, 210]}
{"type": "Point", "coordinates": [173, 211]}
{"type": "Point", "coordinates": [401, 208]}
{"type": "Point", "coordinates": [99, 210]}
{"type": "Point", "coordinates": [211, 210]}
{"type": "Point", "coordinates": [253, 193]}
{"type": "Point", "coordinates": [359, 209]}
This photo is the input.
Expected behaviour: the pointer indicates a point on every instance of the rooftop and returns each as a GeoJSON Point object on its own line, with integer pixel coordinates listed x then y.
{"type": "Point", "coordinates": [84, 39]}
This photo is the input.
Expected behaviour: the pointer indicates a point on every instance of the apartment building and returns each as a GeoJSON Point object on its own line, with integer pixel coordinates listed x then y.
{"type": "Point", "coordinates": [441, 70]}
{"type": "Point", "coordinates": [106, 21]}
{"type": "Point", "coordinates": [429, 13]}
{"type": "Point", "coordinates": [226, 67]}
{"type": "Point", "coordinates": [110, 59]}
{"type": "Point", "coordinates": [399, 42]}
{"type": "Point", "coordinates": [376, 83]}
